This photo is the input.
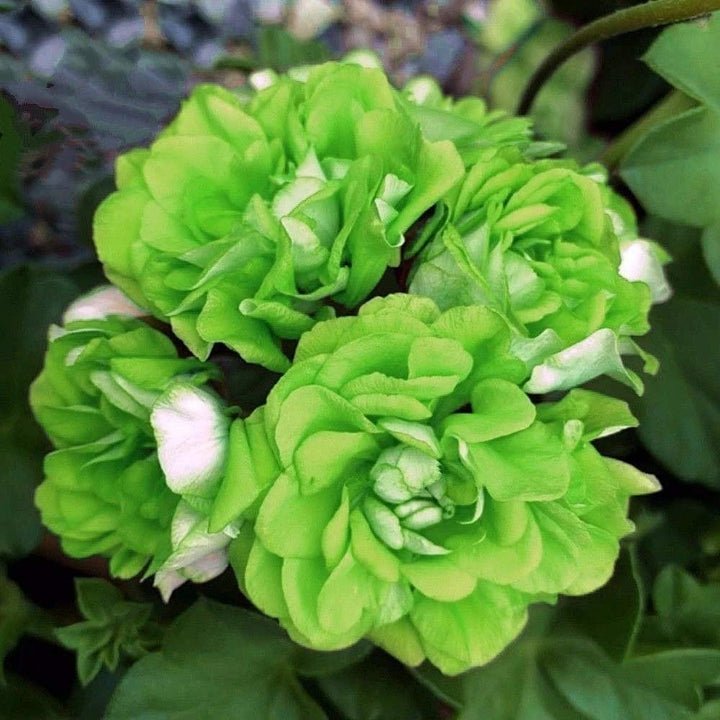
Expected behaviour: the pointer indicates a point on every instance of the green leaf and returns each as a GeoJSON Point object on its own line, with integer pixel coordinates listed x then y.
{"type": "Point", "coordinates": [674, 170]}
{"type": "Point", "coordinates": [20, 528]}
{"type": "Point", "coordinates": [310, 663]}
{"type": "Point", "coordinates": [688, 612]}
{"type": "Point", "coordinates": [551, 674]}
{"type": "Point", "coordinates": [31, 299]}
{"type": "Point", "coordinates": [217, 662]}
{"type": "Point", "coordinates": [711, 249]}
{"type": "Point", "coordinates": [680, 411]}
{"type": "Point", "coordinates": [113, 628]}
{"type": "Point", "coordinates": [612, 615]}
{"type": "Point", "coordinates": [686, 56]}
{"type": "Point", "coordinates": [21, 700]}
{"type": "Point", "coordinates": [15, 612]}
{"type": "Point", "coordinates": [379, 689]}
{"type": "Point", "coordinates": [676, 674]}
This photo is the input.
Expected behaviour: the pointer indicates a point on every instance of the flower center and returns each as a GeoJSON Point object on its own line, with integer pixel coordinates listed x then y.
{"type": "Point", "coordinates": [409, 494]}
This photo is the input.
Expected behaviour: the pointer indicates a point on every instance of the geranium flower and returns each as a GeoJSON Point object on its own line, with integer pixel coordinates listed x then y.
{"type": "Point", "coordinates": [540, 242]}
{"type": "Point", "coordinates": [400, 485]}
{"type": "Point", "coordinates": [104, 491]}
{"type": "Point", "coordinates": [244, 219]}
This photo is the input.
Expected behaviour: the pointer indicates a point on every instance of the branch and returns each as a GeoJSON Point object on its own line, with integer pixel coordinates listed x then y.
{"type": "Point", "coordinates": [650, 14]}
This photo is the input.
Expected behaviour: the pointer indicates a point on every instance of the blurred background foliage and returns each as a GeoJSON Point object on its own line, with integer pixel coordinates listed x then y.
{"type": "Point", "coordinates": [82, 81]}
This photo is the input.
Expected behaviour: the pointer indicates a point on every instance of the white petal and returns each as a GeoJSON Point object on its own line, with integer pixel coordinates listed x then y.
{"type": "Point", "coordinates": [262, 79]}
{"type": "Point", "coordinates": [191, 430]}
{"type": "Point", "coordinates": [641, 262]}
{"type": "Point", "coordinates": [597, 355]}
{"type": "Point", "coordinates": [207, 567]}
{"type": "Point", "coordinates": [167, 581]}
{"type": "Point", "coordinates": [101, 302]}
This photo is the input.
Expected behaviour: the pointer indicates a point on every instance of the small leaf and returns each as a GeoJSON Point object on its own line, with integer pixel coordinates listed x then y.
{"type": "Point", "coordinates": [113, 626]}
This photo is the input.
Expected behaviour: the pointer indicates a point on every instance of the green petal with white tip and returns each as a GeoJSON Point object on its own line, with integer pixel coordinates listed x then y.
{"type": "Point", "coordinates": [191, 427]}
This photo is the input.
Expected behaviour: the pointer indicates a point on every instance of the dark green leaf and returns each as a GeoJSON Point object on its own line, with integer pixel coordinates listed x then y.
{"type": "Point", "coordinates": [677, 675]}
{"type": "Point", "coordinates": [680, 411]}
{"type": "Point", "coordinates": [217, 662]}
{"type": "Point", "coordinates": [15, 613]}
{"type": "Point", "coordinates": [711, 249]}
{"type": "Point", "coordinates": [675, 169]}
{"type": "Point", "coordinates": [686, 55]}
{"type": "Point", "coordinates": [31, 299]}
{"type": "Point", "coordinates": [612, 615]}
{"type": "Point", "coordinates": [20, 528]}
{"type": "Point", "coordinates": [378, 689]}
{"type": "Point", "coordinates": [550, 673]}
{"type": "Point", "coordinates": [20, 700]}
{"type": "Point", "coordinates": [309, 663]}
{"type": "Point", "coordinates": [685, 532]}
{"type": "Point", "coordinates": [688, 612]}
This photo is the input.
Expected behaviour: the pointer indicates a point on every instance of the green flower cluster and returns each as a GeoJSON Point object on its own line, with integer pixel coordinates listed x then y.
{"type": "Point", "coordinates": [104, 491]}
{"type": "Point", "coordinates": [398, 483]}
{"type": "Point", "coordinates": [549, 246]}
{"type": "Point", "coordinates": [421, 499]}
{"type": "Point", "coordinates": [242, 220]}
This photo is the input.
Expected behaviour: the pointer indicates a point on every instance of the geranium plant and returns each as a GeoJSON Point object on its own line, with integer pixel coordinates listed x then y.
{"type": "Point", "coordinates": [349, 409]}
{"type": "Point", "coordinates": [398, 483]}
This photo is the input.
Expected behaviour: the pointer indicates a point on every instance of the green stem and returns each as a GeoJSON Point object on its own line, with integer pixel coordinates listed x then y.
{"type": "Point", "coordinates": [671, 105]}
{"type": "Point", "coordinates": [650, 14]}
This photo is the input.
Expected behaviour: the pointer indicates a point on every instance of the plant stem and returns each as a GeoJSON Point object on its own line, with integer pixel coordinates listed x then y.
{"type": "Point", "coordinates": [672, 104]}
{"type": "Point", "coordinates": [650, 14]}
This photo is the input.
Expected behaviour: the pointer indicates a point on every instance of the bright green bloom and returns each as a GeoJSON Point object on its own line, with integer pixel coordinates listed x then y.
{"type": "Point", "coordinates": [104, 491]}
{"type": "Point", "coordinates": [400, 485]}
{"type": "Point", "coordinates": [243, 219]}
{"type": "Point", "coordinates": [468, 123]}
{"type": "Point", "coordinates": [540, 242]}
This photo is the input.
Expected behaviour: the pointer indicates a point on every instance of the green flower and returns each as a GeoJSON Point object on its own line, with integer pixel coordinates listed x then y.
{"type": "Point", "coordinates": [468, 123]}
{"type": "Point", "coordinates": [104, 491]}
{"type": "Point", "coordinates": [540, 242]}
{"type": "Point", "coordinates": [242, 220]}
{"type": "Point", "coordinates": [399, 485]}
